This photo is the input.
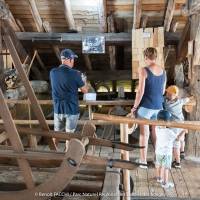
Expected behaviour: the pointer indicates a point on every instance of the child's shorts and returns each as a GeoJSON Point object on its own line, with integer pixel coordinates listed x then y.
{"type": "Point", "coordinates": [164, 161]}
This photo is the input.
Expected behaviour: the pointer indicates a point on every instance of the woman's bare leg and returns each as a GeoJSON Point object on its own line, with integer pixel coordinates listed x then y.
{"type": "Point", "coordinates": [144, 137]}
{"type": "Point", "coordinates": [153, 134]}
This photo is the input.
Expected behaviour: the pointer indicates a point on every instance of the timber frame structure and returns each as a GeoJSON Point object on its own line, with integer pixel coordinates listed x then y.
{"type": "Point", "coordinates": [32, 34]}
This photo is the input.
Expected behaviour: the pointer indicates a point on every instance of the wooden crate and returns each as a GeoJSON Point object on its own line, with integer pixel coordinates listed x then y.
{"type": "Point", "coordinates": [141, 39]}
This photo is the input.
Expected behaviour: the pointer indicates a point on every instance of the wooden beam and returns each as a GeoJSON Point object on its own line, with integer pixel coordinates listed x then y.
{"type": "Point", "coordinates": [144, 21]}
{"type": "Point", "coordinates": [36, 15]}
{"type": "Point", "coordinates": [68, 15]}
{"type": "Point", "coordinates": [3, 137]}
{"type": "Point", "coordinates": [182, 45]}
{"type": "Point", "coordinates": [102, 15]}
{"type": "Point", "coordinates": [23, 55]}
{"type": "Point", "coordinates": [191, 125]}
{"type": "Point", "coordinates": [50, 102]}
{"type": "Point", "coordinates": [137, 13]}
{"type": "Point", "coordinates": [19, 23]}
{"type": "Point", "coordinates": [62, 136]}
{"type": "Point", "coordinates": [88, 63]}
{"type": "Point", "coordinates": [112, 49]}
{"type": "Point", "coordinates": [15, 142]}
{"type": "Point", "coordinates": [76, 38]}
{"type": "Point", "coordinates": [174, 25]}
{"type": "Point", "coordinates": [55, 48]}
{"type": "Point", "coordinates": [36, 107]}
{"type": "Point", "coordinates": [169, 14]}
{"type": "Point", "coordinates": [10, 18]}
{"type": "Point", "coordinates": [30, 65]}
{"type": "Point", "coordinates": [58, 157]}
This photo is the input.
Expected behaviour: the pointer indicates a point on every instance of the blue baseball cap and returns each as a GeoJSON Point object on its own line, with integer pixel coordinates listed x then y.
{"type": "Point", "coordinates": [164, 115]}
{"type": "Point", "coordinates": [68, 54]}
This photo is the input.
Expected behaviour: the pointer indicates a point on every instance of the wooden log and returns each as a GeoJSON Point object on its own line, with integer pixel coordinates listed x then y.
{"type": "Point", "coordinates": [191, 125]}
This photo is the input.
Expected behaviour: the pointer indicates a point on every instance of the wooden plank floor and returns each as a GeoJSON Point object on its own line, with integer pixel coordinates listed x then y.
{"type": "Point", "coordinates": [186, 179]}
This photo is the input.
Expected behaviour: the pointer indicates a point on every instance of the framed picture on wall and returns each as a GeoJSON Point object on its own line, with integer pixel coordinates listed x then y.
{"type": "Point", "coordinates": [93, 44]}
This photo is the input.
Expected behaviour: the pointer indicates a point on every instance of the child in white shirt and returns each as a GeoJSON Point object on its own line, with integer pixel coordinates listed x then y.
{"type": "Point", "coordinates": [165, 138]}
{"type": "Point", "coordinates": [174, 105]}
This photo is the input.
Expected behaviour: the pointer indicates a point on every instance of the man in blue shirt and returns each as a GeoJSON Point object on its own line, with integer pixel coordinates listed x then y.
{"type": "Point", "coordinates": [65, 82]}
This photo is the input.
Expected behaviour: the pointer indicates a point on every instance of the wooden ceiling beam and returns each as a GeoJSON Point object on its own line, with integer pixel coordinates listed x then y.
{"type": "Point", "coordinates": [76, 38]}
{"type": "Point", "coordinates": [68, 15]}
{"type": "Point", "coordinates": [102, 10]}
{"type": "Point", "coordinates": [36, 15]}
{"type": "Point", "coordinates": [9, 16]}
{"type": "Point", "coordinates": [169, 14]}
{"type": "Point", "coordinates": [137, 13]}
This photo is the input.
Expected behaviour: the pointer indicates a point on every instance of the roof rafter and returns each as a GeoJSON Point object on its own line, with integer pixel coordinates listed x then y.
{"type": "Point", "coordinates": [68, 15]}
{"type": "Point", "coordinates": [169, 14]}
{"type": "Point", "coordinates": [137, 13]}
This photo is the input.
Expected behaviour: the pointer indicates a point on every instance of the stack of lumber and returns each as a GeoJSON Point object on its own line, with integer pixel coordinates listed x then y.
{"type": "Point", "coordinates": [141, 39]}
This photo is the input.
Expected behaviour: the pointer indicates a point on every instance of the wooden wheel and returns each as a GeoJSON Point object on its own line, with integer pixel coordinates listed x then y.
{"type": "Point", "coordinates": [69, 166]}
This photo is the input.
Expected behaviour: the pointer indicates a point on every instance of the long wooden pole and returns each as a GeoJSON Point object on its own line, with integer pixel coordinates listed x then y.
{"type": "Point", "coordinates": [68, 136]}
{"type": "Point", "coordinates": [57, 157]}
{"type": "Point", "coordinates": [191, 125]}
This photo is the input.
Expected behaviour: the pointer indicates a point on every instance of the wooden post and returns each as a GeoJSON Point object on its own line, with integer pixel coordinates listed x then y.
{"type": "Point", "coordinates": [125, 156]}
{"type": "Point", "coordinates": [32, 138]}
{"type": "Point", "coordinates": [112, 49]}
{"type": "Point", "coordinates": [193, 140]}
{"type": "Point", "coordinates": [90, 111]}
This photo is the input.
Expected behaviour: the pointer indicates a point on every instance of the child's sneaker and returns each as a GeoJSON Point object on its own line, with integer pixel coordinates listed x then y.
{"type": "Point", "coordinates": [182, 155]}
{"type": "Point", "coordinates": [176, 165]}
{"type": "Point", "coordinates": [167, 185]}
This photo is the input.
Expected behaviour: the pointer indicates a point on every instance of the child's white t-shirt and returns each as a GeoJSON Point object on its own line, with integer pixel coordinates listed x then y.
{"type": "Point", "coordinates": [165, 138]}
